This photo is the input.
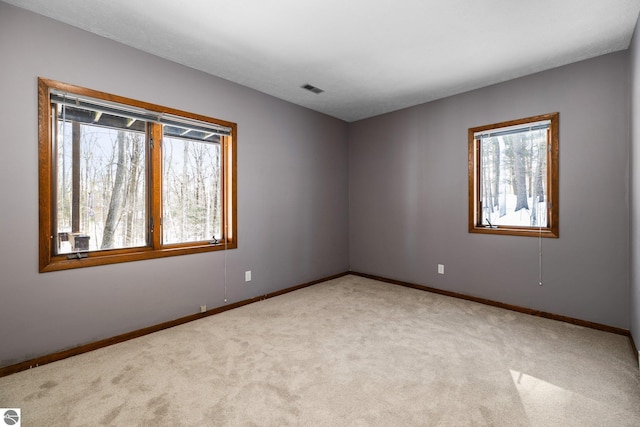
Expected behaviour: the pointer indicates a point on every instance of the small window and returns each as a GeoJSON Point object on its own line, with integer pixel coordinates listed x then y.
{"type": "Point", "coordinates": [123, 180]}
{"type": "Point", "coordinates": [513, 177]}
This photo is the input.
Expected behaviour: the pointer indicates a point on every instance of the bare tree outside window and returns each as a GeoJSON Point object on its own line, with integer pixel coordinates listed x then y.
{"type": "Point", "coordinates": [108, 188]}
{"type": "Point", "coordinates": [512, 180]}
{"type": "Point", "coordinates": [191, 190]}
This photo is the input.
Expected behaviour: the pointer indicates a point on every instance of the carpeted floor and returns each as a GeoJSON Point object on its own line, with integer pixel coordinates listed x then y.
{"type": "Point", "coordinates": [349, 352]}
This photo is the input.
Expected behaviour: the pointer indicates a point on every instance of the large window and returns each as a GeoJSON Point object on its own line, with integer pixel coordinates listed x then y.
{"type": "Point", "coordinates": [124, 180]}
{"type": "Point", "coordinates": [513, 177]}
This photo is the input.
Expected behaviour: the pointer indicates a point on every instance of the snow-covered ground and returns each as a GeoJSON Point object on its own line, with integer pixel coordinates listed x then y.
{"type": "Point", "coordinates": [522, 218]}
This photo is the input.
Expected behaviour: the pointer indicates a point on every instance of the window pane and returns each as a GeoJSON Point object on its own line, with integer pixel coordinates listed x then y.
{"type": "Point", "coordinates": [513, 183]}
{"type": "Point", "coordinates": [191, 190]}
{"type": "Point", "coordinates": [101, 197]}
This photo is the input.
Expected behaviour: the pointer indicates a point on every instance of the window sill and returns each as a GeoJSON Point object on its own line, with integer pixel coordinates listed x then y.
{"type": "Point", "coordinates": [516, 231]}
{"type": "Point", "coordinates": [61, 262]}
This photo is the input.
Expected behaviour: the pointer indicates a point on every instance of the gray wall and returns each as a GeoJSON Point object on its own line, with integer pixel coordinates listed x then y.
{"type": "Point", "coordinates": [634, 297]}
{"type": "Point", "coordinates": [408, 195]}
{"type": "Point", "coordinates": [292, 188]}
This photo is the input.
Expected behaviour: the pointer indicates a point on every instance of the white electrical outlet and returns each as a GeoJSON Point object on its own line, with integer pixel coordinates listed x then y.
{"type": "Point", "coordinates": [247, 276]}
{"type": "Point", "coordinates": [440, 268]}
{"type": "Point", "coordinates": [203, 308]}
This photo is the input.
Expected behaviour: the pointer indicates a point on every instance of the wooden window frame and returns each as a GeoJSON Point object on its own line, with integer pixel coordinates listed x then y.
{"type": "Point", "coordinates": [474, 166]}
{"type": "Point", "coordinates": [49, 261]}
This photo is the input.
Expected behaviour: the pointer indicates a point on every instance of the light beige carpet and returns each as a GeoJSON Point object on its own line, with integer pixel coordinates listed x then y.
{"type": "Point", "coordinates": [349, 352]}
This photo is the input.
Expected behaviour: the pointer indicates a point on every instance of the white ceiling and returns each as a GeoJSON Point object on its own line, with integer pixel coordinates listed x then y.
{"type": "Point", "coordinates": [370, 56]}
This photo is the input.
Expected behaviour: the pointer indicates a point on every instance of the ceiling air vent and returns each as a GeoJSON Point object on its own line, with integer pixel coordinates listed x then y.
{"type": "Point", "coordinates": [311, 88]}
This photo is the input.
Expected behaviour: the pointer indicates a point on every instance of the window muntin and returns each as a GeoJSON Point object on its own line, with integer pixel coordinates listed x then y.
{"type": "Point", "coordinates": [513, 177]}
{"type": "Point", "coordinates": [111, 206]}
